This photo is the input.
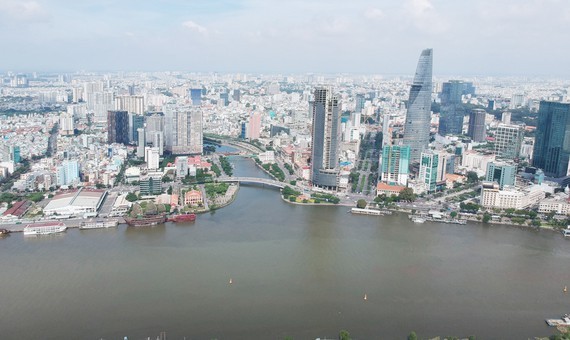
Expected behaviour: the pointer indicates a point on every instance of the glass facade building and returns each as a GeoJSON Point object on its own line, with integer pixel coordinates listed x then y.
{"type": "Point", "coordinates": [418, 116]}
{"type": "Point", "coordinates": [452, 111]}
{"type": "Point", "coordinates": [552, 144]}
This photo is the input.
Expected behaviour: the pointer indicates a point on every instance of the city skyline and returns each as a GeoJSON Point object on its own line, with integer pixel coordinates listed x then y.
{"type": "Point", "coordinates": [260, 37]}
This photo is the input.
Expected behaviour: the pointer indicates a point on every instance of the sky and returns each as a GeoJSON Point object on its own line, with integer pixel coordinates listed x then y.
{"type": "Point", "coordinates": [469, 37]}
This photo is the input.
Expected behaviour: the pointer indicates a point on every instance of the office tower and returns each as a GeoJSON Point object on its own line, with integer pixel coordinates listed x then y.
{"type": "Point", "coordinates": [131, 89]}
{"type": "Point", "coordinates": [236, 95]}
{"type": "Point", "coordinates": [502, 173]}
{"type": "Point", "coordinates": [325, 141]}
{"type": "Point", "coordinates": [253, 129]}
{"type": "Point", "coordinates": [158, 142]}
{"type": "Point", "coordinates": [68, 172]}
{"type": "Point", "coordinates": [452, 111]}
{"type": "Point", "coordinates": [154, 123]}
{"type": "Point", "coordinates": [117, 127]}
{"type": "Point", "coordinates": [183, 130]}
{"type": "Point", "coordinates": [477, 125]}
{"type": "Point", "coordinates": [151, 157]}
{"type": "Point", "coordinates": [359, 102]}
{"type": "Point", "coordinates": [552, 145]}
{"type": "Point", "coordinates": [131, 104]}
{"type": "Point", "coordinates": [432, 170]}
{"type": "Point", "coordinates": [224, 98]}
{"type": "Point", "coordinates": [66, 124]}
{"type": "Point", "coordinates": [10, 153]}
{"type": "Point", "coordinates": [181, 164]}
{"type": "Point", "coordinates": [491, 105]}
{"type": "Point", "coordinates": [386, 132]}
{"type": "Point", "coordinates": [394, 164]}
{"type": "Point", "coordinates": [508, 141]}
{"type": "Point", "coordinates": [418, 117]}
{"type": "Point", "coordinates": [136, 121]}
{"type": "Point", "coordinates": [196, 96]}
{"type": "Point", "coordinates": [141, 142]}
{"type": "Point", "coordinates": [506, 117]}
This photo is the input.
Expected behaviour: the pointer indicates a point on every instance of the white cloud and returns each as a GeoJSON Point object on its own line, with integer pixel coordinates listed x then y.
{"type": "Point", "coordinates": [374, 13]}
{"type": "Point", "coordinates": [22, 10]}
{"type": "Point", "coordinates": [195, 27]}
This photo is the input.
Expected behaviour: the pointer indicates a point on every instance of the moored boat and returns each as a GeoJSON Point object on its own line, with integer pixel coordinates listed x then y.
{"type": "Point", "coordinates": [565, 321]}
{"type": "Point", "coordinates": [145, 220]}
{"type": "Point", "coordinates": [44, 228]}
{"type": "Point", "coordinates": [185, 217]}
{"type": "Point", "coordinates": [99, 224]}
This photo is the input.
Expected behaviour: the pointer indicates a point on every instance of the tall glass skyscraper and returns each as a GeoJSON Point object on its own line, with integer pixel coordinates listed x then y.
{"type": "Point", "coordinates": [416, 130]}
{"type": "Point", "coordinates": [452, 112]}
{"type": "Point", "coordinates": [552, 144]}
{"type": "Point", "coordinates": [325, 110]}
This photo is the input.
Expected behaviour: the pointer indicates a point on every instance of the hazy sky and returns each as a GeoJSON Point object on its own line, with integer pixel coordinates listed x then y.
{"type": "Point", "coordinates": [469, 37]}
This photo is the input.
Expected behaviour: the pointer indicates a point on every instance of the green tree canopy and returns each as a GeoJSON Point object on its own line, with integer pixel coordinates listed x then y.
{"type": "Point", "coordinates": [361, 203]}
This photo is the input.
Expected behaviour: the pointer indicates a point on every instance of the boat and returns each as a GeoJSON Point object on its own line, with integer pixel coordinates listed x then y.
{"type": "Point", "coordinates": [146, 220]}
{"type": "Point", "coordinates": [184, 217]}
{"type": "Point", "coordinates": [45, 228]}
{"type": "Point", "coordinates": [564, 321]}
{"type": "Point", "coordinates": [417, 219]}
{"type": "Point", "coordinates": [566, 232]}
{"type": "Point", "coordinates": [98, 224]}
{"type": "Point", "coordinates": [365, 297]}
{"type": "Point", "coordinates": [231, 281]}
{"type": "Point", "coordinates": [4, 232]}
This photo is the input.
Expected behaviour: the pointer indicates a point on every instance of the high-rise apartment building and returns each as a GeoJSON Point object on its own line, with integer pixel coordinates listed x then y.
{"type": "Point", "coordinates": [183, 130]}
{"type": "Point", "coordinates": [394, 164]}
{"type": "Point", "coordinates": [325, 143]}
{"type": "Point", "coordinates": [552, 145]}
{"type": "Point", "coordinates": [141, 142]}
{"type": "Point", "coordinates": [452, 111]}
{"type": "Point", "coordinates": [504, 174]}
{"type": "Point", "coordinates": [253, 129]}
{"type": "Point", "coordinates": [131, 104]}
{"type": "Point", "coordinates": [508, 141]}
{"type": "Point", "coordinates": [359, 102]}
{"type": "Point", "coordinates": [118, 127]}
{"type": "Point", "coordinates": [68, 173]}
{"type": "Point", "coordinates": [66, 127]}
{"type": "Point", "coordinates": [477, 130]}
{"type": "Point", "coordinates": [418, 117]}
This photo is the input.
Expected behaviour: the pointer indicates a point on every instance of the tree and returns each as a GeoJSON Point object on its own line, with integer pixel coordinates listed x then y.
{"type": "Point", "coordinates": [361, 203]}
{"type": "Point", "coordinates": [169, 191]}
{"type": "Point", "coordinates": [536, 222]}
{"type": "Point", "coordinates": [407, 195]}
{"type": "Point", "coordinates": [453, 214]}
{"type": "Point", "coordinates": [131, 197]}
{"type": "Point", "coordinates": [486, 217]}
{"type": "Point", "coordinates": [472, 177]}
{"type": "Point", "coordinates": [343, 335]}
{"type": "Point", "coordinates": [412, 336]}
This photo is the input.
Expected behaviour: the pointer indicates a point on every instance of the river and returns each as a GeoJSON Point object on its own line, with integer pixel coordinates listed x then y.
{"type": "Point", "coordinates": [296, 271]}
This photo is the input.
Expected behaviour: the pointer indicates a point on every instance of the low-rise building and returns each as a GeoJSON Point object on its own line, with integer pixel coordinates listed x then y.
{"type": "Point", "coordinates": [80, 202]}
{"type": "Point", "coordinates": [509, 197]}
{"type": "Point", "coordinates": [388, 190]}
{"type": "Point", "coordinates": [193, 197]}
{"type": "Point", "coordinates": [559, 203]}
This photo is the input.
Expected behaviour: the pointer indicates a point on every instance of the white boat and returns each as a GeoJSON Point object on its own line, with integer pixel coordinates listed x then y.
{"type": "Point", "coordinates": [98, 224]}
{"type": "Point", "coordinates": [565, 321]}
{"type": "Point", "coordinates": [44, 228]}
{"type": "Point", "coordinates": [566, 232]}
{"type": "Point", "coordinates": [417, 219]}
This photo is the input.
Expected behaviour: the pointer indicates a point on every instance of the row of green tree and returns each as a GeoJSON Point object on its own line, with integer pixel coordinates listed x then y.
{"type": "Point", "coordinates": [226, 166]}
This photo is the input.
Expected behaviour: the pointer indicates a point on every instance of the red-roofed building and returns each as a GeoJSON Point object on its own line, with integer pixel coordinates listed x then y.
{"type": "Point", "coordinates": [388, 190]}
{"type": "Point", "coordinates": [17, 210]}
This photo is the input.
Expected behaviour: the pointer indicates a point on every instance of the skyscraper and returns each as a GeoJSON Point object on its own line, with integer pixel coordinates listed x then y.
{"type": "Point", "coordinates": [196, 96]}
{"type": "Point", "coordinates": [135, 122]}
{"type": "Point", "coordinates": [452, 112]}
{"type": "Point", "coordinates": [477, 130]}
{"type": "Point", "coordinates": [183, 130]}
{"type": "Point", "coordinates": [504, 174]}
{"type": "Point", "coordinates": [416, 130]}
{"type": "Point", "coordinates": [508, 141]}
{"type": "Point", "coordinates": [432, 170]}
{"type": "Point", "coordinates": [118, 127]}
{"type": "Point", "coordinates": [325, 142]}
{"type": "Point", "coordinates": [394, 164]}
{"type": "Point", "coordinates": [552, 144]}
